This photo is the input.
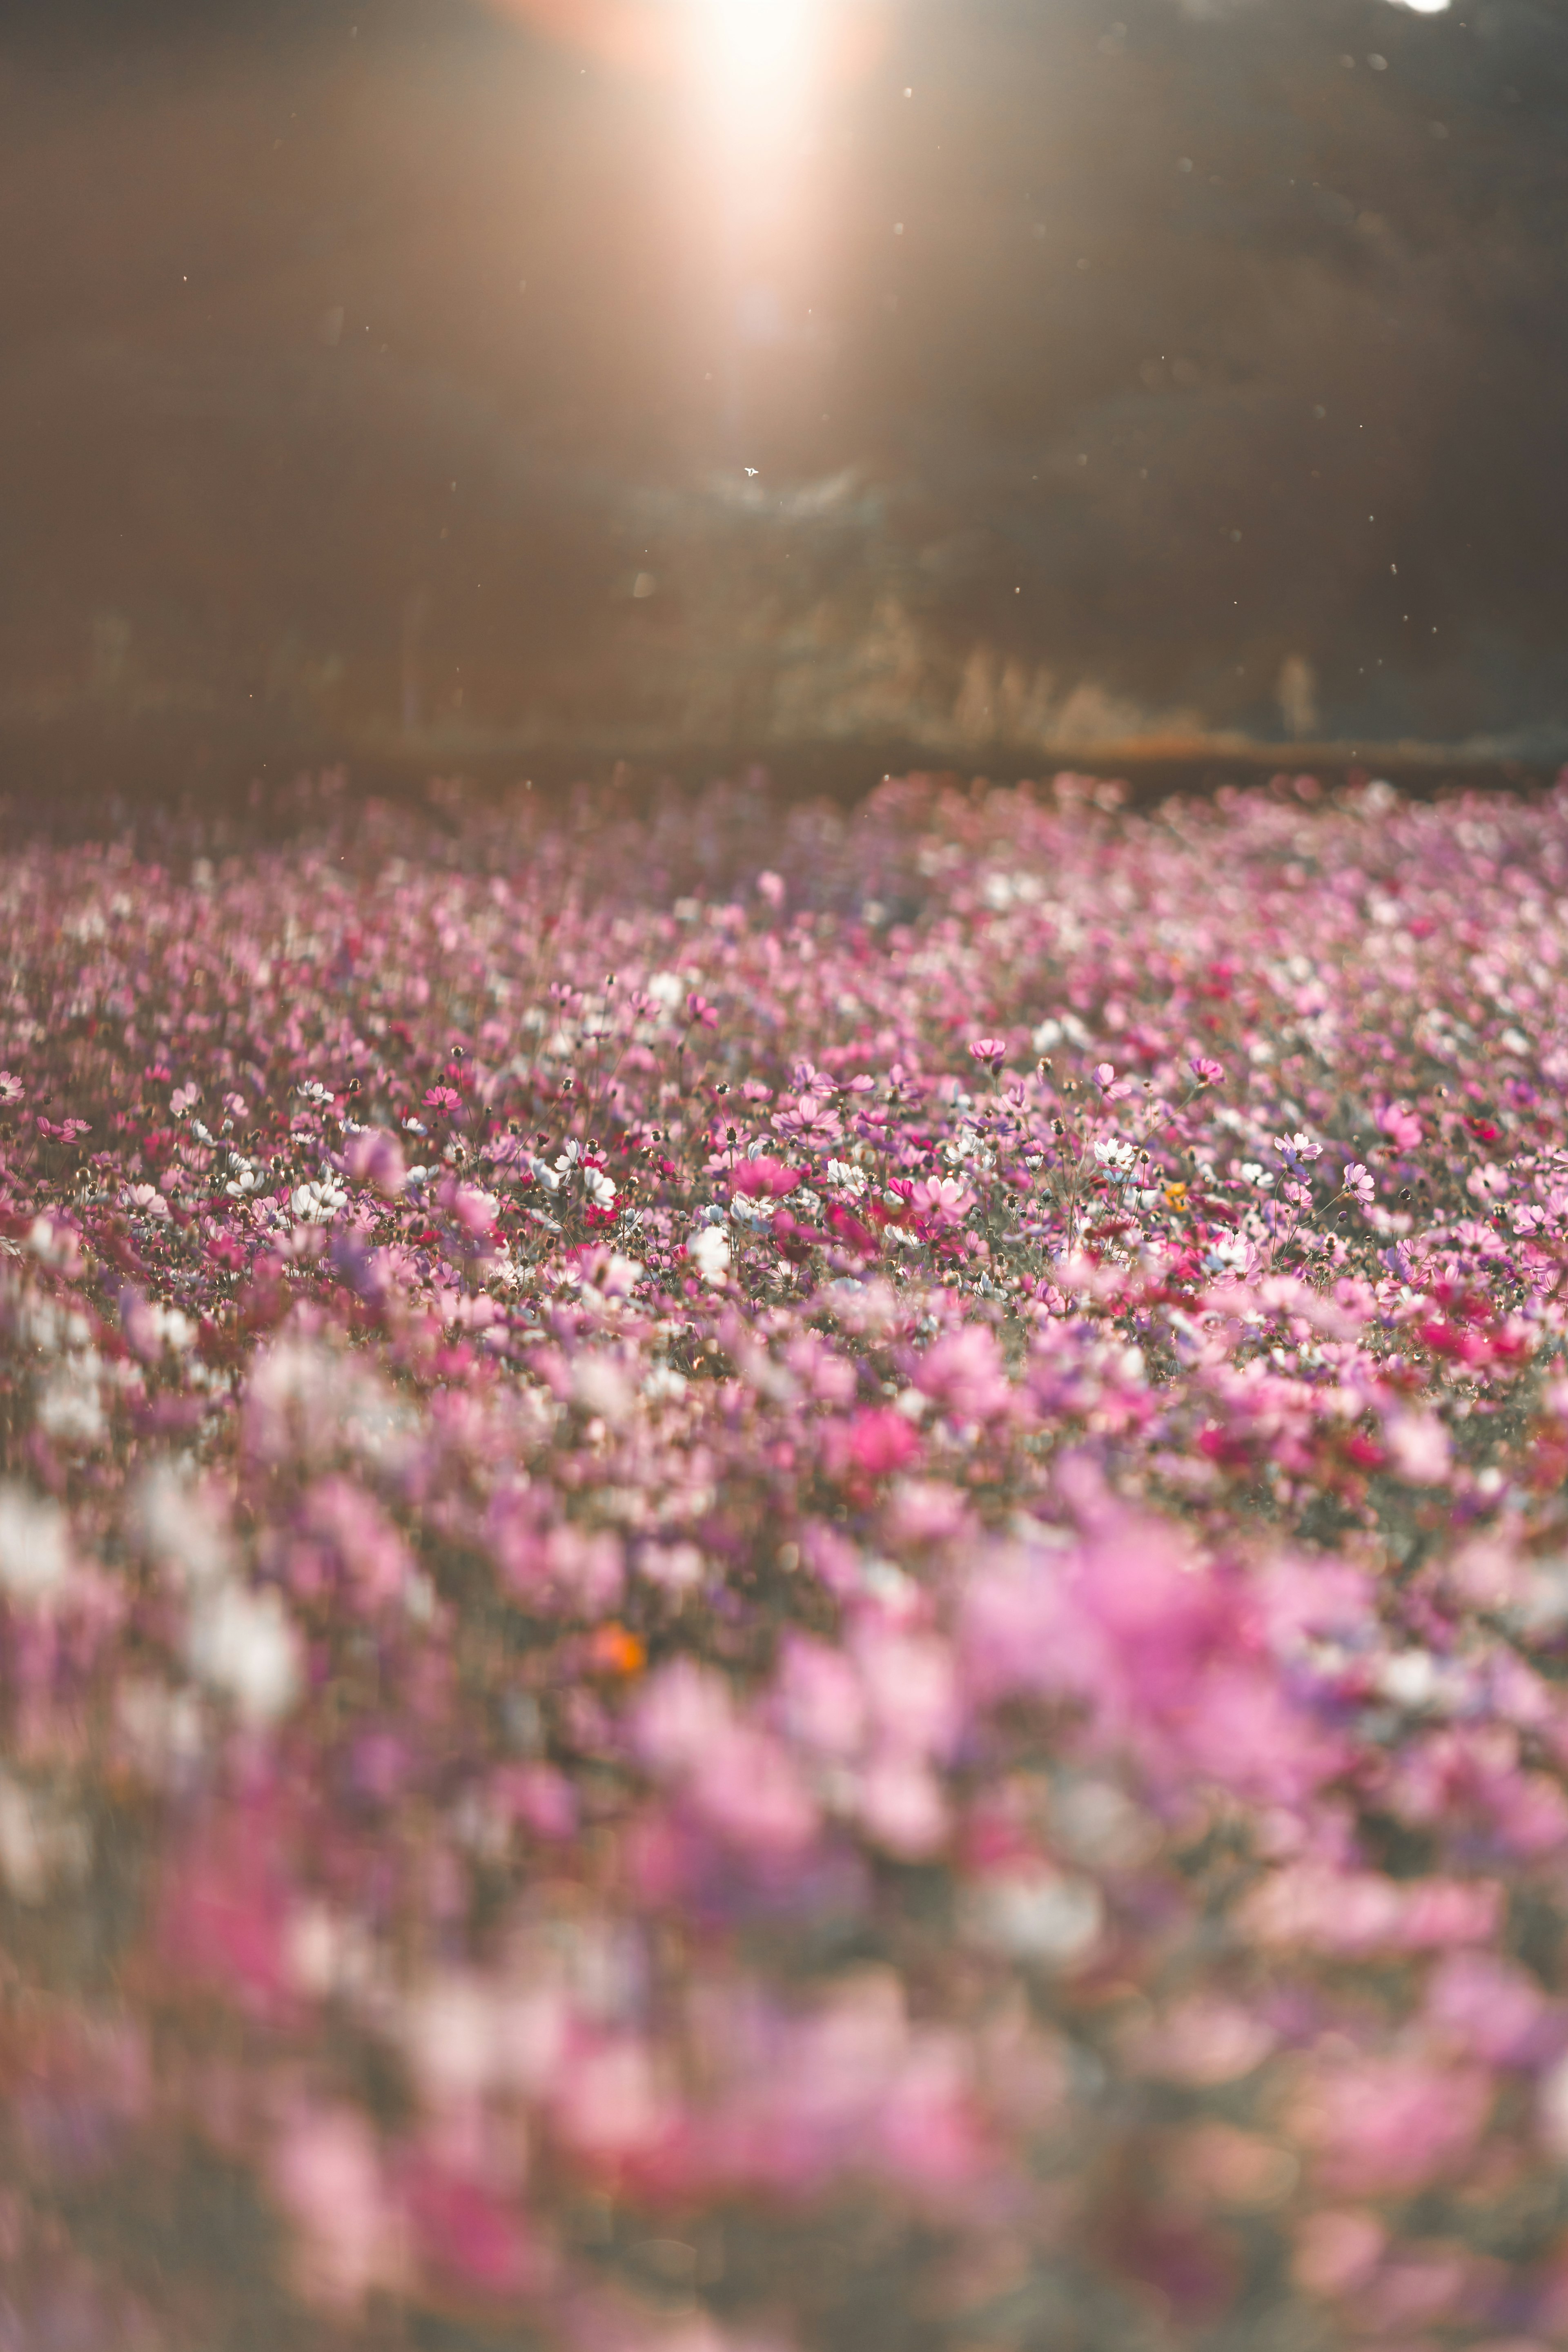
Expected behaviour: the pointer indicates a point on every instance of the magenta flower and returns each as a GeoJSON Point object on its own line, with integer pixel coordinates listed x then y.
{"type": "Point", "coordinates": [871, 1444]}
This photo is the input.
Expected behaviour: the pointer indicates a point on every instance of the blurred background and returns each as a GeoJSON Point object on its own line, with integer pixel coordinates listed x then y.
{"type": "Point", "coordinates": [520, 388]}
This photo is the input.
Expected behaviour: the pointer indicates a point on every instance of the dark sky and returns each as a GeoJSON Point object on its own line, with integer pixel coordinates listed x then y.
{"type": "Point", "coordinates": [387, 370]}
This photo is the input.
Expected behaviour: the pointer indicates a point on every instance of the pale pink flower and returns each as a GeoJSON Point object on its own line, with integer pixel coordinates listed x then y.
{"type": "Point", "coordinates": [945, 1200]}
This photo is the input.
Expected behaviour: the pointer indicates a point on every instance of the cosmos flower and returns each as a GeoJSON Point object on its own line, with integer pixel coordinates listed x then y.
{"type": "Point", "coordinates": [751, 1638]}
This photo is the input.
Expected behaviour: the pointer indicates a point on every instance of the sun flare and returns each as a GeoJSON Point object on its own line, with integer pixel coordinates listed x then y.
{"type": "Point", "coordinates": [757, 60]}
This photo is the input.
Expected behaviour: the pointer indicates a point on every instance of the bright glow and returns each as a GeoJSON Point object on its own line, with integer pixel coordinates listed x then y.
{"type": "Point", "coordinates": [1424, 8]}
{"type": "Point", "coordinates": [758, 59]}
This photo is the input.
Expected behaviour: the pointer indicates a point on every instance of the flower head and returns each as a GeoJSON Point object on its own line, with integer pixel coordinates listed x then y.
{"type": "Point", "coordinates": [317, 1202]}
{"type": "Point", "coordinates": [711, 1254]}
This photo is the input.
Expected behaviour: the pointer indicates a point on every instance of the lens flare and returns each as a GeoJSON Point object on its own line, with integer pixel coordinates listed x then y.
{"type": "Point", "coordinates": [750, 54]}
{"type": "Point", "coordinates": [757, 60]}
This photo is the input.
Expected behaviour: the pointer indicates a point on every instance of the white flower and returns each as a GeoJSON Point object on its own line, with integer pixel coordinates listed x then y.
{"type": "Point", "coordinates": [846, 1177]}
{"type": "Point", "coordinates": [1253, 1172]}
{"type": "Point", "coordinates": [33, 1558]}
{"type": "Point", "coordinates": [146, 1201]}
{"type": "Point", "coordinates": [180, 1527]}
{"type": "Point", "coordinates": [243, 1646]}
{"type": "Point", "coordinates": [601, 1188]}
{"type": "Point", "coordinates": [1410, 1678]}
{"type": "Point", "coordinates": [246, 1179]}
{"type": "Point", "coordinates": [1036, 1914]}
{"type": "Point", "coordinates": [70, 1408]}
{"type": "Point", "coordinates": [40, 1844]}
{"type": "Point", "coordinates": [747, 1211]}
{"type": "Point", "coordinates": [1112, 1154]}
{"type": "Point", "coordinates": [318, 1202]}
{"type": "Point", "coordinates": [666, 988]}
{"type": "Point", "coordinates": [543, 1173]}
{"type": "Point", "coordinates": [711, 1254]}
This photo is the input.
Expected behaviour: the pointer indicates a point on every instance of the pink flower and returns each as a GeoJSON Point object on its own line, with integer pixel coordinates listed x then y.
{"type": "Point", "coordinates": [467, 2232]}
{"type": "Point", "coordinates": [375, 1157]}
{"type": "Point", "coordinates": [763, 1178]}
{"type": "Point", "coordinates": [472, 1211]}
{"type": "Point", "coordinates": [945, 1200]}
{"type": "Point", "coordinates": [1358, 1183]}
{"type": "Point", "coordinates": [1400, 1125]}
{"type": "Point", "coordinates": [1206, 1072]}
{"type": "Point", "coordinates": [1418, 1449]}
{"type": "Point", "coordinates": [993, 1050]}
{"type": "Point", "coordinates": [329, 2177]}
{"type": "Point", "coordinates": [812, 1123]}
{"type": "Point", "coordinates": [1387, 2127]}
{"type": "Point", "coordinates": [963, 1372]}
{"type": "Point", "coordinates": [11, 1088]}
{"type": "Point", "coordinates": [871, 1444]}
{"type": "Point", "coordinates": [1491, 2007]}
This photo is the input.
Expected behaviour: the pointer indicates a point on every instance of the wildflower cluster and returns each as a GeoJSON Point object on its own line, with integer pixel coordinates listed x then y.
{"type": "Point", "coordinates": [781, 1582]}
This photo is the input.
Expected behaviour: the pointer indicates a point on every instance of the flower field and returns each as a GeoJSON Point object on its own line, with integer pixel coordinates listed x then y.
{"type": "Point", "coordinates": [772, 1582]}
